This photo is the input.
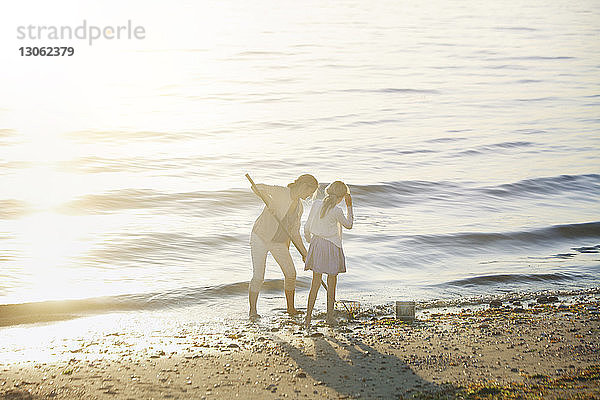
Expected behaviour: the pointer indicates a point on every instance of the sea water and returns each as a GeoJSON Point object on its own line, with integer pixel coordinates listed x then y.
{"type": "Point", "coordinates": [467, 132]}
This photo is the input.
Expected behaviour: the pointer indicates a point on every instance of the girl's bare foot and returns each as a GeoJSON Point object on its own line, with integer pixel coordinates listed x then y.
{"type": "Point", "coordinates": [307, 322]}
{"type": "Point", "coordinates": [254, 316]}
{"type": "Point", "coordinates": [331, 321]}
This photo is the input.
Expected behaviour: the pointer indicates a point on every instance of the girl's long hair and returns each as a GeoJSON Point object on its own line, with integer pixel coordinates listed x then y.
{"type": "Point", "coordinates": [335, 191]}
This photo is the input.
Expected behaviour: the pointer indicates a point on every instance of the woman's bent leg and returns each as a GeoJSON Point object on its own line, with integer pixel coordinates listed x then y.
{"type": "Point", "coordinates": [281, 254]}
{"type": "Point", "coordinates": [331, 283]}
{"type": "Point", "coordinates": [312, 296]}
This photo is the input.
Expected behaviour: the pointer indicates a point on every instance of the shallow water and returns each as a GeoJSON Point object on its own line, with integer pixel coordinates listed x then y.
{"type": "Point", "coordinates": [468, 134]}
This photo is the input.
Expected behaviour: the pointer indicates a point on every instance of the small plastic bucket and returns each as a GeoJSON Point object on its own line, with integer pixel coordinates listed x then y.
{"type": "Point", "coordinates": [405, 310]}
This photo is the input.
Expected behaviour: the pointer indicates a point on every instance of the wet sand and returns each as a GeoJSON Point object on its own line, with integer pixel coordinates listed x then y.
{"type": "Point", "coordinates": [528, 350]}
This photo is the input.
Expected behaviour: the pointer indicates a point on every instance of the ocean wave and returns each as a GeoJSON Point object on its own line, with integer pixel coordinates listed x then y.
{"type": "Point", "coordinates": [493, 148]}
{"type": "Point", "coordinates": [4, 132]}
{"type": "Point", "coordinates": [11, 165]}
{"type": "Point", "coordinates": [259, 53]}
{"type": "Point", "coordinates": [571, 184]}
{"type": "Point", "coordinates": [380, 195]}
{"type": "Point", "coordinates": [55, 310]}
{"type": "Point", "coordinates": [150, 199]}
{"type": "Point", "coordinates": [507, 66]}
{"type": "Point", "coordinates": [528, 81]}
{"type": "Point", "coordinates": [7, 136]}
{"type": "Point", "coordinates": [94, 164]}
{"type": "Point", "coordinates": [401, 187]}
{"type": "Point", "coordinates": [372, 122]}
{"type": "Point", "coordinates": [517, 238]}
{"type": "Point", "coordinates": [159, 248]}
{"type": "Point", "coordinates": [380, 150]}
{"type": "Point", "coordinates": [533, 58]}
{"type": "Point", "coordinates": [549, 98]}
{"type": "Point", "coordinates": [511, 278]}
{"type": "Point", "coordinates": [587, 249]}
{"type": "Point", "coordinates": [391, 90]}
{"type": "Point", "coordinates": [587, 183]}
{"type": "Point", "coordinates": [390, 193]}
{"type": "Point", "coordinates": [118, 136]}
{"type": "Point", "coordinates": [224, 200]}
{"type": "Point", "coordinates": [10, 208]}
{"type": "Point", "coordinates": [514, 28]}
{"type": "Point", "coordinates": [447, 139]}
{"type": "Point", "coordinates": [529, 131]}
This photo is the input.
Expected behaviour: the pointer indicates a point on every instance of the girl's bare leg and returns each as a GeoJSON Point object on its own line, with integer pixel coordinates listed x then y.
{"type": "Point", "coordinates": [331, 283]}
{"type": "Point", "coordinates": [312, 296]}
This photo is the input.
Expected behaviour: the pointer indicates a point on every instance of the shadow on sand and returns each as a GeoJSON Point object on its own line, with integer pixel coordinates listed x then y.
{"type": "Point", "coordinates": [352, 368]}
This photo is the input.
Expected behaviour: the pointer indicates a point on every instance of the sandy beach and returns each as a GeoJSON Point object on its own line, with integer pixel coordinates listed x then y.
{"type": "Point", "coordinates": [522, 350]}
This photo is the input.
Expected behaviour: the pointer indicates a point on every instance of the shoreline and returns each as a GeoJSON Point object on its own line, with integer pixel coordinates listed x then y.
{"type": "Point", "coordinates": [48, 311]}
{"type": "Point", "coordinates": [552, 349]}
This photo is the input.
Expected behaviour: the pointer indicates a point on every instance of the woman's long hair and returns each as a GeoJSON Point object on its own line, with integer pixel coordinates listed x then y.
{"type": "Point", "coordinates": [335, 191]}
{"type": "Point", "coordinates": [308, 180]}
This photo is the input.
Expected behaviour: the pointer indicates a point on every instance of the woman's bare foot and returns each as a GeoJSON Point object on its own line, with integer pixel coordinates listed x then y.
{"type": "Point", "coordinates": [332, 321]}
{"type": "Point", "coordinates": [294, 312]}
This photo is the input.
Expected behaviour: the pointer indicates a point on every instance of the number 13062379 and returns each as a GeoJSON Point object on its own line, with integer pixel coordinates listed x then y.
{"type": "Point", "coordinates": [46, 51]}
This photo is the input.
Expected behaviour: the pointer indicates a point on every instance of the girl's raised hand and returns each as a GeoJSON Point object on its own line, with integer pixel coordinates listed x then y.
{"type": "Point", "coordinates": [348, 200]}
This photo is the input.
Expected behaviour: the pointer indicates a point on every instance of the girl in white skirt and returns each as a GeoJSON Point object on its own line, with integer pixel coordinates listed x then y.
{"type": "Point", "coordinates": [323, 230]}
